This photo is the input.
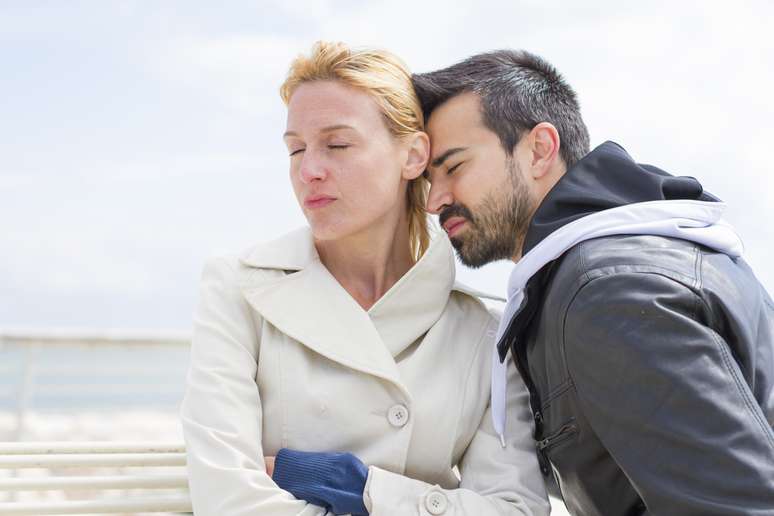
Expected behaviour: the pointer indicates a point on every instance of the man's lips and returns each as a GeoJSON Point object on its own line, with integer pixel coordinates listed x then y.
{"type": "Point", "coordinates": [454, 225]}
{"type": "Point", "coordinates": [318, 201]}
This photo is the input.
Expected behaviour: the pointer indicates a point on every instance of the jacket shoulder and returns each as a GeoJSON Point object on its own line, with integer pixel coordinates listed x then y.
{"type": "Point", "coordinates": [291, 252]}
{"type": "Point", "coordinates": [468, 310]}
{"type": "Point", "coordinates": [626, 254]}
{"type": "Point", "coordinates": [264, 260]}
{"type": "Point", "coordinates": [697, 267]}
{"type": "Point", "coordinates": [646, 251]}
{"type": "Point", "coordinates": [230, 269]}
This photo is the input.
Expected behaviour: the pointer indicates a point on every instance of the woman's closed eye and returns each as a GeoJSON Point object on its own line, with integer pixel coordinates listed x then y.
{"type": "Point", "coordinates": [337, 146]}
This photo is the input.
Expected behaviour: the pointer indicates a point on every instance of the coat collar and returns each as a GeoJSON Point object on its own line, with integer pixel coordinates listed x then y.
{"type": "Point", "coordinates": [309, 305]}
{"type": "Point", "coordinates": [291, 252]}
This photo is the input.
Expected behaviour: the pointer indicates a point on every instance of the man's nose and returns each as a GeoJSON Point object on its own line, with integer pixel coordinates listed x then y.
{"type": "Point", "coordinates": [311, 168]}
{"type": "Point", "coordinates": [438, 198]}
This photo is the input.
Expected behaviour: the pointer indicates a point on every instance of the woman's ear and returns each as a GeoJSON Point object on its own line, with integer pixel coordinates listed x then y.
{"type": "Point", "coordinates": [417, 155]}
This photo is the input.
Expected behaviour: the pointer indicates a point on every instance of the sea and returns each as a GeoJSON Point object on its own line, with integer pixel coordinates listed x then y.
{"type": "Point", "coordinates": [92, 386]}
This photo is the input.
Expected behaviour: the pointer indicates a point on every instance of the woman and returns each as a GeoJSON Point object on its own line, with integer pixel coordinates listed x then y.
{"type": "Point", "coordinates": [351, 335]}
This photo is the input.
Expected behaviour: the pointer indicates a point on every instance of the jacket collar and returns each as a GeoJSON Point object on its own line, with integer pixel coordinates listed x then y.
{"type": "Point", "coordinates": [607, 177]}
{"type": "Point", "coordinates": [309, 305]}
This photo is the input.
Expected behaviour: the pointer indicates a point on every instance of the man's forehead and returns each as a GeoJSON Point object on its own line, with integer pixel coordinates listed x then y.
{"type": "Point", "coordinates": [453, 123]}
{"type": "Point", "coordinates": [464, 107]}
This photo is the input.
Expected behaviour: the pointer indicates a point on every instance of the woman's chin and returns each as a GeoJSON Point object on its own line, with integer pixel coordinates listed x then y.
{"type": "Point", "coordinates": [333, 232]}
{"type": "Point", "coordinates": [327, 232]}
{"type": "Point", "coordinates": [330, 227]}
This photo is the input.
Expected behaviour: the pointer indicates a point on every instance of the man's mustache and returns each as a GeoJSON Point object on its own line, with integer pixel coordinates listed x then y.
{"type": "Point", "coordinates": [455, 210]}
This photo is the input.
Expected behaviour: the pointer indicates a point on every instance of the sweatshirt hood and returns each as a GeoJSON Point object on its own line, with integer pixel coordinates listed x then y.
{"type": "Point", "coordinates": [606, 178]}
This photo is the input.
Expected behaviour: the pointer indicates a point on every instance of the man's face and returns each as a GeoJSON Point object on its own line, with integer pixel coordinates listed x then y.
{"type": "Point", "coordinates": [479, 192]}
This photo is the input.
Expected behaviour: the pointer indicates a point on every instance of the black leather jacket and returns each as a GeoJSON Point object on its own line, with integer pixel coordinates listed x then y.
{"type": "Point", "coordinates": [650, 363]}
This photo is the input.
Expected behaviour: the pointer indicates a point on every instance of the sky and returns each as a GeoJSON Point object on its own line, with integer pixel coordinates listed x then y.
{"type": "Point", "coordinates": [138, 138]}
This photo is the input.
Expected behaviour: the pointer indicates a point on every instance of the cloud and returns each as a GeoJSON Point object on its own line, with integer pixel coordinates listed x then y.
{"type": "Point", "coordinates": [166, 146]}
{"type": "Point", "coordinates": [240, 70]}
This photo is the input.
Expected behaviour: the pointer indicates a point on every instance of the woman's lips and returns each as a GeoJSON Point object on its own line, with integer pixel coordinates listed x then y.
{"type": "Point", "coordinates": [318, 201]}
{"type": "Point", "coordinates": [454, 225]}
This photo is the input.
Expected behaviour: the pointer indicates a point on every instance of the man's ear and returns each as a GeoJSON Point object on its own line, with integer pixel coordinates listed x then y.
{"type": "Point", "coordinates": [544, 143]}
{"type": "Point", "coordinates": [417, 156]}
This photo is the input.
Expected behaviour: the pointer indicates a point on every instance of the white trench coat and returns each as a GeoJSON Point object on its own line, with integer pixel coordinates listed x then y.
{"type": "Point", "coordinates": [283, 356]}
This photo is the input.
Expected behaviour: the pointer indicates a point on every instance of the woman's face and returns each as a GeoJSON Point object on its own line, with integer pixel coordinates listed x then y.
{"type": "Point", "coordinates": [345, 166]}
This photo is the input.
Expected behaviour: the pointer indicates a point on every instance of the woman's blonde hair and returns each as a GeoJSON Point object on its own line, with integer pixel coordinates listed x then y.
{"type": "Point", "coordinates": [387, 79]}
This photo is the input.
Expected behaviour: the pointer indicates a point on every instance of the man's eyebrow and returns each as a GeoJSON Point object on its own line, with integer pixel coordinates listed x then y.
{"type": "Point", "coordinates": [437, 162]}
{"type": "Point", "coordinates": [326, 129]}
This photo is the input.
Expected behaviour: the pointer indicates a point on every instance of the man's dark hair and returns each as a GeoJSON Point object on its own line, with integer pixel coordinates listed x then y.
{"type": "Point", "coordinates": [518, 90]}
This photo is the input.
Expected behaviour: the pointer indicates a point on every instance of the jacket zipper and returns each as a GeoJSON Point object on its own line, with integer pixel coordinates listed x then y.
{"type": "Point", "coordinates": [564, 433]}
{"type": "Point", "coordinates": [523, 368]}
{"type": "Point", "coordinates": [520, 360]}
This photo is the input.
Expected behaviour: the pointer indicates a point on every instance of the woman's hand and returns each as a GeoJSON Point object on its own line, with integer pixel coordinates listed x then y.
{"type": "Point", "coordinates": [332, 480]}
{"type": "Point", "coordinates": [269, 465]}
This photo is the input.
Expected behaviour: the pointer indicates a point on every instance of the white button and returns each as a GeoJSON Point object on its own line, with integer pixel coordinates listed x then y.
{"type": "Point", "coordinates": [436, 503]}
{"type": "Point", "coordinates": [398, 415]}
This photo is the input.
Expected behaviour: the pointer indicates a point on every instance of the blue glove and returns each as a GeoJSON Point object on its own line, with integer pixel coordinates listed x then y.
{"type": "Point", "coordinates": [335, 481]}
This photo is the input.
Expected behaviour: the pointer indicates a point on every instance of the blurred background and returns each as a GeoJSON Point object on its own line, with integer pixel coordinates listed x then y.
{"type": "Point", "coordinates": [138, 138]}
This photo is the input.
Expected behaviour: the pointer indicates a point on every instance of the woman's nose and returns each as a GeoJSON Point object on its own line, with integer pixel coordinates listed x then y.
{"type": "Point", "coordinates": [312, 169]}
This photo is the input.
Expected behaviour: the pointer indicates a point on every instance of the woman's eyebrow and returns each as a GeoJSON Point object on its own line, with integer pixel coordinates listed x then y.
{"type": "Point", "coordinates": [326, 129]}
{"type": "Point", "coordinates": [336, 128]}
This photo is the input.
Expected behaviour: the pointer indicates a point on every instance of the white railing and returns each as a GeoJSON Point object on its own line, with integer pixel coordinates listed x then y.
{"type": "Point", "coordinates": [56, 456]}
{"type": "Point", "coordinates": [52, 478]}
{"type": "Point", "coordinates": [92, 337]}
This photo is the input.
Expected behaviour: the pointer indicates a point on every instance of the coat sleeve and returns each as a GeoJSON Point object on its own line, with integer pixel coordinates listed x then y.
{"type": "Point", "coordinates": [495, 480]}
{"type": "Point", "coordinates": [666, 398]}
{"type": "Point", "coordinates": [221, 411]}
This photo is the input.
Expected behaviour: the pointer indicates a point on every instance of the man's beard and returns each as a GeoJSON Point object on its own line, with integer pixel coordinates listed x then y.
{"type": "Point", "coordinates": [496, 231]}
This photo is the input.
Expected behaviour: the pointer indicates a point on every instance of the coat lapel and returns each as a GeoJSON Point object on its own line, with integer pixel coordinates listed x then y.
{"type": "Point", "coordinates": [415, 303]}
{"type": "Point", "coordinates": [311, 307]}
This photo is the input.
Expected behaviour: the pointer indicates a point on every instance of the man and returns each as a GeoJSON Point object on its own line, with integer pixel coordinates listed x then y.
{"type": "Point", "coordinates": [645, 340]}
